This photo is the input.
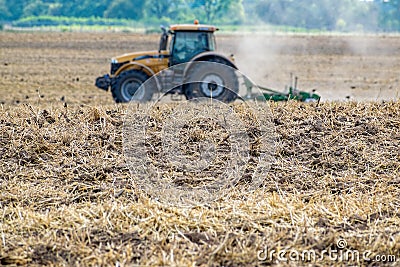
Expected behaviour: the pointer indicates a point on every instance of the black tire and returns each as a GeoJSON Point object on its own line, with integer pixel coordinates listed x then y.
{"type": "Point", "coordinates": [125, 85]}
{"type": "Point", "coordinates": [220, 82]}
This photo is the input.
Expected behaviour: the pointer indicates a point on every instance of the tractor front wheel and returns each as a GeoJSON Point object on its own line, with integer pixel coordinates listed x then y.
{"type": "Point", "coordinates": [125, 86]}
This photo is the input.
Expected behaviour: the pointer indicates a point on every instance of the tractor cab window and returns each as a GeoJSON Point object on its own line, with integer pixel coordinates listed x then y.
{"type": "Point", "coordinates": [186, 45]}
{"type": "Point", "coordinates": [212, 43]}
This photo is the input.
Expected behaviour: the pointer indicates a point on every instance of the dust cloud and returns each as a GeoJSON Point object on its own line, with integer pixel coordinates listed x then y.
{"type": "Point", "coordinates": [339, 67]}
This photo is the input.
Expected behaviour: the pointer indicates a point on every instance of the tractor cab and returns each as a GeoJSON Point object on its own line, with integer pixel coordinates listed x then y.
{"type": "Point", "coordinates": [187, 41]}
{"type": "Point", "coordinates": [182, 43]}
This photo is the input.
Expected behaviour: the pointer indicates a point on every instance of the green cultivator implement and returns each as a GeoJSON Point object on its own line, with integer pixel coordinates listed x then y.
{"type": "Point", "coordinates": [293, 93]}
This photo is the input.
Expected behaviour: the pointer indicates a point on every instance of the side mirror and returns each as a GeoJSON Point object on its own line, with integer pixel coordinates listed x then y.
{"type": "Point", "coordinates": [164, 31]}
{"type": "Point", "coordinates": [163, 40]}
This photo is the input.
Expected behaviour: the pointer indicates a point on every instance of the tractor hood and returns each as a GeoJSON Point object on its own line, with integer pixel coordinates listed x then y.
{"type": "Point", "coordinates": [139, 56]}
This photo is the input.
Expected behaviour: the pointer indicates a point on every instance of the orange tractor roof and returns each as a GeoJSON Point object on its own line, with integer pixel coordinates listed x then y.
{"type": "Point", "coordinates": [193, 27]}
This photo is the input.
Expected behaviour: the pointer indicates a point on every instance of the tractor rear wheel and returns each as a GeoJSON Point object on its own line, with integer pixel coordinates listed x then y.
{"type": "Point", "coordinates": [217, 81]}
{"type": "Point", "coordinates": [125, 86]}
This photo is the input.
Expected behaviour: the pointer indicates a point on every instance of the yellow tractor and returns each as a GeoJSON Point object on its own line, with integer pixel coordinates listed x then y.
{"type": "Point", "coordinates": [182, 43]}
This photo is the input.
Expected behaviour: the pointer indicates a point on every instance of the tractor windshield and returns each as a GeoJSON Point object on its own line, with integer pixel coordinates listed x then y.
{"type": "Point", "coordinates": [187, 44]}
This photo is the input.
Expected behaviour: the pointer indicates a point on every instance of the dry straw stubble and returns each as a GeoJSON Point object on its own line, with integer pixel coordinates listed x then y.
{"type": "Point", "coordinates": [67, 197]}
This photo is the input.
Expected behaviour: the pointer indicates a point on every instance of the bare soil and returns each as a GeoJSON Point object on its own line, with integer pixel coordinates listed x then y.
{"type": "Point", "coordinates": [48, 66]}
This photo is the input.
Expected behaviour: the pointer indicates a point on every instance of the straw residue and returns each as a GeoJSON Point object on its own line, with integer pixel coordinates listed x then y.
{"type": "Point", "coordinates": [67, 195]}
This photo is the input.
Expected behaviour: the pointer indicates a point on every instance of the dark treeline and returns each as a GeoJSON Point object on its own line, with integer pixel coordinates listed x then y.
{"type": "Point", "coordinates": [342, 15]}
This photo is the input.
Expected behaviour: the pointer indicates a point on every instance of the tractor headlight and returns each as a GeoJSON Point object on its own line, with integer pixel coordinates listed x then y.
{"type": "Point", "coordinates": [114, 61]}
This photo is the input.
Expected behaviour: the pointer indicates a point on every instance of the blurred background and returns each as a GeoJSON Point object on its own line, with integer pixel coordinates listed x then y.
{"type": "Point", "coordinates": [231, 15]}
